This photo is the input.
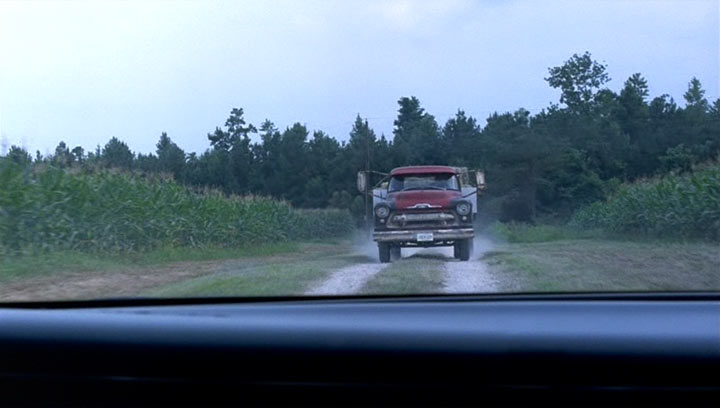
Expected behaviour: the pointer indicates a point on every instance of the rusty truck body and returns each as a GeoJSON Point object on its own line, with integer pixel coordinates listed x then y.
{"type": "Point", "coordinates": [424, 206]}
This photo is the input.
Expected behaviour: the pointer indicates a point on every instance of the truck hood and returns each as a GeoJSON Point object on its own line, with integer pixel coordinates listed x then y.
{"type": "Point", "coordinates": [423, 199]}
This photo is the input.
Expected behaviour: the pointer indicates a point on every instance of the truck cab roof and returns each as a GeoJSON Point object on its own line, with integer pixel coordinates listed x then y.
{"type": "Point", "coordinates": [422, 170]}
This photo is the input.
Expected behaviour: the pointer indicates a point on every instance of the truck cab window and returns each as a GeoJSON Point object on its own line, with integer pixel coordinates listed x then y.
{"type": "Point", "coordinates": [423, 181]}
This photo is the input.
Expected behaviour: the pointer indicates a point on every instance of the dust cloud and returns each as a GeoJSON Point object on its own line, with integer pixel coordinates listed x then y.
{"type": "Point", "coordinates": [363, 244]}
{"type": "Point", "coordinates": [481, 246]}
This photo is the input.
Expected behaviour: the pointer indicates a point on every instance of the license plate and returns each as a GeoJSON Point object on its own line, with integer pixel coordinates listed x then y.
{"type": "Point", "coordinates": [424, 237]}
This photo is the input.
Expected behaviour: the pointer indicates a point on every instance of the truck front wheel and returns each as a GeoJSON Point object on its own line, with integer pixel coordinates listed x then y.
{"type": "Point", "coordinates": [464, 249]}
{"type": "Point", "coordinates": [384, 252]}
{"type": "Point", "coordinates": [395, 253]}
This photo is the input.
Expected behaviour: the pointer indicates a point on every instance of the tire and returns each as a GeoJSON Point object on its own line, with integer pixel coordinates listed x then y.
{"type": "Point", "coordinates": [456, 250]}
{"type": "Point", "coordinates": [395, 253]}
{"type": "Point", "coordinates": [384, 252]}
{"type": "Point", "coordinates": [465, 248]}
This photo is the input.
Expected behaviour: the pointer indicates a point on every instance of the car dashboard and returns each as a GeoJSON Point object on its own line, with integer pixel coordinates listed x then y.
{"type": "Point", "coordinates": [567, 350]}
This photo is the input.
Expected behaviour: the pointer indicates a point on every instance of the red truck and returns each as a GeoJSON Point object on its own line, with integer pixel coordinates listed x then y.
{"type": "Point", "coordinates": [424, 206]}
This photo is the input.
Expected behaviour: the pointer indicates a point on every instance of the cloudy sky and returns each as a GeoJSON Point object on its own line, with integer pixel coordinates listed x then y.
{"type": "Point", "coordinates": [83, 72]}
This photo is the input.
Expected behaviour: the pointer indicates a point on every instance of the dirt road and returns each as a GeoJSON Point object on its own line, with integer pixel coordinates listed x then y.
{"type": "Point", "coordinates": [441, 274]}
{"type": "Point", "coordinates": [318, 269]}
{"type": "Point", "coordinates": [472, 276]}
{"type": "Point", "coordinates": [348, 280]}
{"type": "Point", "coordinates": [469, 277]}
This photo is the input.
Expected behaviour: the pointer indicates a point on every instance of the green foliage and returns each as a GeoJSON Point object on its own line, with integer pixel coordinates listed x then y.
{"type": "Point", "coordinates": [578, 78]}
{"type": "Point", "coordinates": [417, 135]}
{"type": "Point", "coordinates": [459, 136]}
{"type": "Point", "coordinates": [318, 223]}
{"type": "Point", "coordinates": [117, 154]}
{"type": "Point", "coordinates": [678, 158]}
{"type": "Point", "coordinates": [19, 156]}
{"type": "Point", "coordinates": [49, 209]}
{"type": "Point", "coordinates": [235, 135]}
{"type": "Point", "coordinates": [673, 206]}
{"type": "Point", "coordinates": [170, 157]}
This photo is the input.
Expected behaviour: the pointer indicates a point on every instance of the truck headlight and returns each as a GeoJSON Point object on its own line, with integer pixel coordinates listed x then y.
{"type": "Point", "coordinates": [463, 208]}
{"type": "Point", "coordinates": [382, 211]}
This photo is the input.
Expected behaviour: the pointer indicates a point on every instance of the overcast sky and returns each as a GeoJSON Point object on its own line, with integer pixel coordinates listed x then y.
{"type": "Point", "coordinates": [83, 72]}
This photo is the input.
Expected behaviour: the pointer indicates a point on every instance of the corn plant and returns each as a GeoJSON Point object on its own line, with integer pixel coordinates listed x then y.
{"type": "Point", "coordinates": [47, 209]}
{"type": "Point", "coordinates": [672, 206]}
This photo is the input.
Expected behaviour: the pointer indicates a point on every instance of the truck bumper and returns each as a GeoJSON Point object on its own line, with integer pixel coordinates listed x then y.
{"type": "Point", "coordinates": [411, 235]}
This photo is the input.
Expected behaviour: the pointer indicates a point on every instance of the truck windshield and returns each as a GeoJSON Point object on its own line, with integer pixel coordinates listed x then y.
{"type": "Point", "coordinates": [423, 182]}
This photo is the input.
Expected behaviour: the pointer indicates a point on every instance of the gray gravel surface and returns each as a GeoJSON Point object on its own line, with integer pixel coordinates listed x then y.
{"type": "Point", "coordinates": [348, 280]}
{"type": "Point", "coordinates": [468, 277]}
{"type": "Point", "coordinates": [472, 276]}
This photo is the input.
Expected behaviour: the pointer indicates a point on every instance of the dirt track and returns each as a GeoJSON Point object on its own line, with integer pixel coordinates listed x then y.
{"type": "Point", "coordinates": [349, 280]}
{"type": "Point", "coordinates": [473, 276]}
{"type": "Point", "coordinates": [459, 277]}
{"type": "Point", "coordinates": [362, 267]}
{"type": "Point", "coordinates": [468, 277]}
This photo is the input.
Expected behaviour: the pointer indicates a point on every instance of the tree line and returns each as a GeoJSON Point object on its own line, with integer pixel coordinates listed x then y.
{"type": "Point", "coordinates": [542, 166]}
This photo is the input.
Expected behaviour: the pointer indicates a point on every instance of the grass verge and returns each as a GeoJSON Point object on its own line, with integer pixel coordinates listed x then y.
{"type": "Point", "coordinates": [60, 262]}
{"type": "Point", "coordinates": [527, 233]}
{"type": "Point", "coordinates": [412, 275]}
{"type": "Point", "coordinates": [274, 276]}
{"type": "Point", "coordinates": [592, 265]}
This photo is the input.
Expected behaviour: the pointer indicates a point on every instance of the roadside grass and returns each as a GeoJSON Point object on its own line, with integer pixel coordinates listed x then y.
{"type": "Point", "coordinates": [526, 233]}
{"type": "Point", "coordinates": [276, 276]}
{"type": "Point", "coordinates": [63, 262]}
{"type": "Point", "coordinates": [417, 274]}
{"type": "Point", "coordinates": [593, 265]}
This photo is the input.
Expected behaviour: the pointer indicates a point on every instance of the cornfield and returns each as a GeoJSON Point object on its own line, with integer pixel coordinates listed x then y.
{"type": "Point", "coordinates": [673, 206]}
{"type": "Point", "coordinates": [47, 209]}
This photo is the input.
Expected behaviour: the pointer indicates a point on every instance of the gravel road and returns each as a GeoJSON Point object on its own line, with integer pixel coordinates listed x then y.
{"type": "Point", "coordinates": [472, 276]}
{"type": "Point", "coordinates": [468, 277]}
{"type": "Point", "coordinates": [460, 277]}
{"type": "Point", "coordinates": [348, 280]}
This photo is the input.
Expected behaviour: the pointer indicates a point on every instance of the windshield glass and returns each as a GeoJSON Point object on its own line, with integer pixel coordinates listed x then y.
{"type": "Point", "coordinates": [246, 148]}
{"type": "Point", "coordinates": [423, 182]}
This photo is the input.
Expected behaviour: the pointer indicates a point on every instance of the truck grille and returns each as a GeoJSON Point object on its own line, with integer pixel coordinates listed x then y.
{"type": "Point", "coordinates": [422, 220]}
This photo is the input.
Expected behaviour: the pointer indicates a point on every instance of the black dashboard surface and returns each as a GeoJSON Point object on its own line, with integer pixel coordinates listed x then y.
{"type": "Point", "coordinates": [419, 351]}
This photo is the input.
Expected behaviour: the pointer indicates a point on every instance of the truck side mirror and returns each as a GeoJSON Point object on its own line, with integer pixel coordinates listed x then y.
{"type": "Point", "coordinates": [480, 180]}
{"type": "Point", "coordinates": [361, 181]}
